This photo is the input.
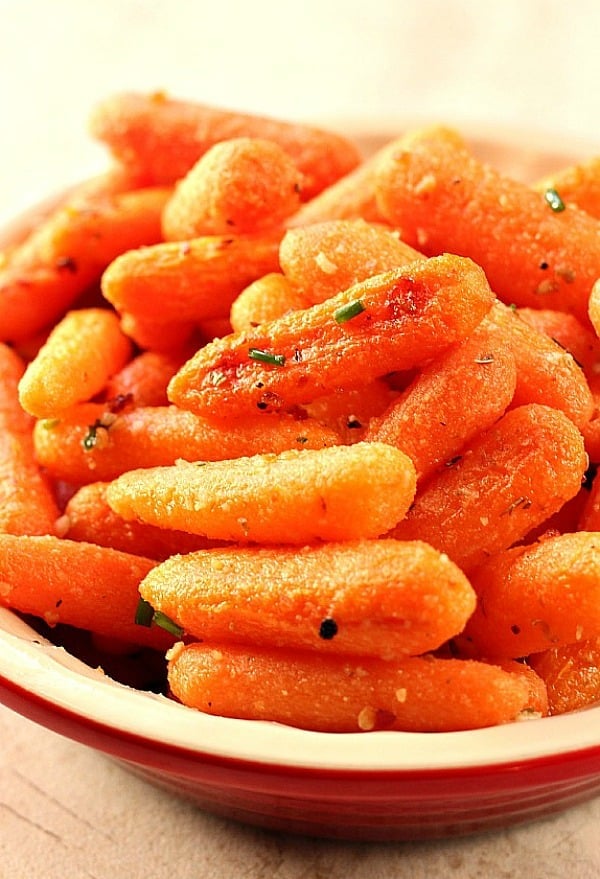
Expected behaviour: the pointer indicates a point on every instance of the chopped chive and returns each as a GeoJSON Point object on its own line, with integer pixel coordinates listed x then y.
{"type": "Point", "coordinates": [166, 623]}
{"type": "Point", "coordinates": [144, 613]}
{"type": "Point", "coordinates": [266, 357]}
{"type": "Point", "coordinates": [554, 200]}
{"type": "Point", "coordinates": [91, 437]}
{"type": "Point", "coordinates": [49, 423]}
{"type": "Point", "coordinates": [348, 311]}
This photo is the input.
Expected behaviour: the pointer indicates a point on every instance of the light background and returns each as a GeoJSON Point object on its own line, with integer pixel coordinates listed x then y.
{"type": "Point", "coordinates": [521, 65]}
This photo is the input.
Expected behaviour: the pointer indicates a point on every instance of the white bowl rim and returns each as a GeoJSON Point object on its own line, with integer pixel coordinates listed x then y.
{"type": "Point", "coordinates": [47, 672]}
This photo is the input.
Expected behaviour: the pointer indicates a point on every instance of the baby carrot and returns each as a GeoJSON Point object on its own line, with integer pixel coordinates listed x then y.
{"type": "Point", "coordinates": [532, 598]}
{"type": "Point", "coordinates": [144, 379]}
{"type": "Point", "coordinates": [240, 185]}
{"type": "Point", "coordinates": [353, 196]}
{"type": "Point", "coordinates": [565, 329]}
{"type": "Point", "coordinates": [546, 373]}
{"type": "Point", "coordinates": [68, 252]}
{"type": "Point", "coordinates": [166, 337]}
{"type": "Point", "coordinates": [27, 504]}
{"type": "Point", "coordinates": [325, 258]}
{"type": "Point", "coordinates": [571, 673]}
{"type": "Point", "coordinates": [12, 416]}
{"type": "Point", "coordinates": [92, 442]}
{"type": "Point", "coordinates": [265, 299]}
{"type": "Point", "coordinates": [349, 410]}
{"type": "Point", "coordinates": [577, 184]}
{"type": "Point", "coordinates": [396, 320]}
{"type": "Point", "coordinates": [345, 695]}
{"type": "Point", "coordinates": [163, 138]}
{"type": "Point", "coordinates": [511, 478]}
{"type": "Point", "coordinates": [534, 250]}
{"type": "Point", "coordinates": [80, 584]}
{"type": "Point", "coordinates": [188, 281]}
{"type": "Point", "coordinates": [379, 598]}
{"type": "Point", "coordinates": [90, 519]}
{"type": "Point", "coordinates": [430, 422]}
{"type": "Point", "coordinates": [81, 353]}
{"type": "Point", "coordinates": [337, 493]}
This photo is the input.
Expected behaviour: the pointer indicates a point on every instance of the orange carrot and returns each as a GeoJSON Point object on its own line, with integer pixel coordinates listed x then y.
{"type": "Point", "coordinates": [12, 416]}
{"type": "Point", "coordinates": [336, 493]}
{"type": "Point", "coordinates": [144, 379]}
{"type": "Point", "coordinates": [91, 520]}
{"type": "Point", "coordinates": [430, 421]}
{"type": "Point", "coordinates": [349, 410]}
{"type": "Point", "coordinates": [81, 353]}
{"type": "Point", "coordinates": [534, 251]}
{"type": "Point", "coordinates": [80, 584]}
{"type": "Point", "coordinates": [27, 504]}
{"type": "Point", "coordinates": [397, 320]}
{"type": "Point", "coordinates": [240, 185]}
{"type": "Point", "coordinates": [310, 691]}
{"type": "Point", "coordinates": [91, 442]}
{"type": "Point", "coordinates": [378, 598]}
{"type": "Point", "coordinates": [569, 333]}
{"type": "Point", "coordinates": [265, 300]}
{"type": "Point", "coordinates": [546, 373]}
{"type": "Point", "coordinates": [326, 258]}
{"type": "Point", "coordinates": [178, 282]}
{"type": "Point", "coordinates": [353, 196]}
{"type": "Point", "coordinates": [508, 480]}
{"type": "Point", "coordinates": [571, 673]}
{"type": "Point", "coordinates": [163, 138]}
{"type": "Point", "coordinates": [68, 252]}
{"type": "Point", "coordinates": [533, 598]}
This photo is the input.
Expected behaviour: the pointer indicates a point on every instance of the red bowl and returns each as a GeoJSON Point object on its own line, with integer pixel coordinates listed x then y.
{"type": "Point", "coordinates": [373, 786]}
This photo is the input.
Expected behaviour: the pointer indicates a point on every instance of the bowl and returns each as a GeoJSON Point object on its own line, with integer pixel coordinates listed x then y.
{"type": "Point", "coordinates": [367, 786]}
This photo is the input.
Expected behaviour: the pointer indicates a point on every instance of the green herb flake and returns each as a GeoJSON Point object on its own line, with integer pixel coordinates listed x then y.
{"type": "Point", "coordinates": [348, 311]}
{"type": "Point", "coordinates": [166, 623]}
{"type": "Point", "coordinates": [144, 613]}
{"type": "Point", "coordinates": [554, 200]}
{"type": "Point", "coordinates": [49, 423]}
{"type": "Point", "coordinates": [266, 357]}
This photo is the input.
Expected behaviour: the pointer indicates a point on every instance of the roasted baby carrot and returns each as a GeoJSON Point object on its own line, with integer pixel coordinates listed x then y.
{"type": "Point", "coordinates": [511, 478]}
{"type": "Point", "coordinates": [396, 320]}
{"type": "Point", "coordinates": [345, 695]}
{"type": "Point", "coordinates": [546, 373]}
{"type": "Point", "coordinates": [534, 250]}
{"type": "Point", "coordinates": [163, 138]}
{"type": "Point", "coordinates": [353, 196]}
{"type": "Point", "coordinates": [430, 421]}
{"type": "Point", "coordinates": [569, 333]}
{"type": "Point", "coordinates": [27, 504]}
{"type": "Point", "coordinates": [533, 598]}
{"type": "Point", "coordinates": [91, 587]}
{"type": "Point", "coordinates": [379, 598]}
{"type": "Point", "coordinates": [571, 673]}
{"type": "Point", "coordinates": [240, 185]}
{"type": "Point", "coordinates": [68, 252]}
{"type": "Point", "coordinates": [90, 519]}
{"type": "Point", "coordinates": [80, 355]}
{"type": "Point", "coordinates": [92, 442]}
{"type": "Point", "coordinates": [12, 415]}
{"type": "Point", "coordinates": [188, 281]}
{"type": "Point", "coordinates": [264, 300]}
{"type": "Point", "coordinates": [325, 258]}
{"type": "Point", "coordinates": [349, 410]}
{"type": "Point", "coordinates": [336, 493]}
{"type": "Point", "coordinates": [144, 379]}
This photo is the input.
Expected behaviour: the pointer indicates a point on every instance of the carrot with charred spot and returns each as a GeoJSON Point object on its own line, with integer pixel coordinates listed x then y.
{"type": "Point", "coordinates": [396, 320]}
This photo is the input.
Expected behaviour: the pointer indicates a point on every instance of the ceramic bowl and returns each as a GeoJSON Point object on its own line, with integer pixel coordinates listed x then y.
{"type": "Point", "coordinates": [374, 786]}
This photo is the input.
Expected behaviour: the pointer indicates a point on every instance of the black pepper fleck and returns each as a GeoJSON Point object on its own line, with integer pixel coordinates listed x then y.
{"type": "Point", "coordinates": [328, 629]}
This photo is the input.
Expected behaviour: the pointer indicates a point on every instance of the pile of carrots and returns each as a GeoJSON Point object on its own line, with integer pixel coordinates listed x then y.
{"type": "Point", "coordinates": [321, 429]}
